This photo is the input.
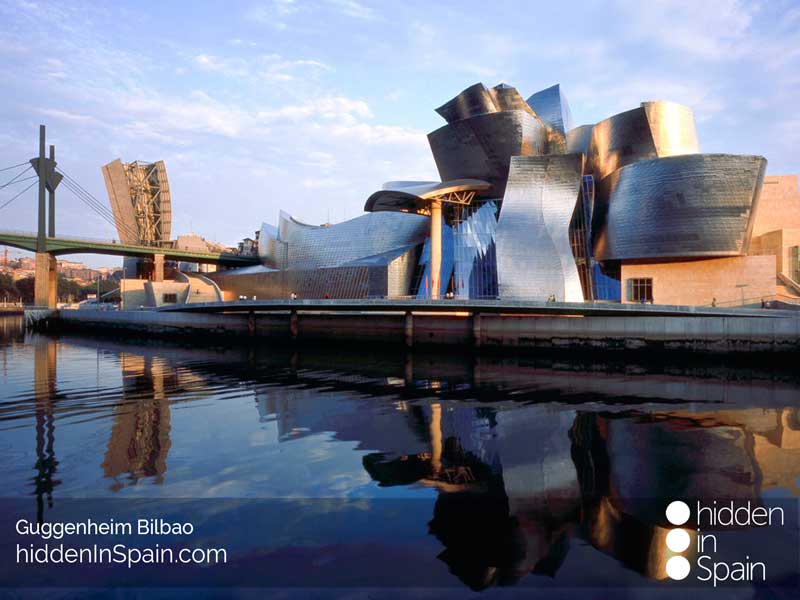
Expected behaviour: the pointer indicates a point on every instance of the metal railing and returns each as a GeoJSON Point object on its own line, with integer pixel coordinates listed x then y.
{"type": "Point", "coordinates": [80, 238]}
{"type": "Point", "coordinates": [755, 301]}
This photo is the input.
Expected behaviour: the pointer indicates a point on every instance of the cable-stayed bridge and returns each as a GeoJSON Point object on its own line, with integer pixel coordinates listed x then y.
{"type": "Point", "coordinates": [44, 172]}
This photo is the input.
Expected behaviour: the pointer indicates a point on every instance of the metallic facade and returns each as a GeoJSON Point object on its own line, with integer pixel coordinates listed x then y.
{"type": "Point", "coordinates": [374, 255]}
{"type": "Point", "coordinates": [534, 257]}
{"type": "Point", "coordinates": [552, 108]}
{"type": "Point", "coordinates": [579, 139]}
{"type": "Point", "coordinates": [140, 201]}
{"type": "Point", "coordinates": [480, 147]}
{"type": "Point", "coordinates": [388, 275]}
{"type": "Point", "coordinates": [698, 205]}
{"type": "Point", "coordinates": [479, 100]}
{"type": "Point", "coordinates": [314, 247]}
{"type": "Point", "coordinates": [655, 129]}
{"type": "Point", "coordinates": [528, 207]}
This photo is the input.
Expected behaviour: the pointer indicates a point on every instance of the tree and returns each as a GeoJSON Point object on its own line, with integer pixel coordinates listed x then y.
{"type": "Point", "coordinates": [106, 285]}
{"type": "Point", "coordinates": [8, 291]}
{"type": "Point", "coordinates": [26, 288]}
{"type": "Point", "coordinates": [70, 290]}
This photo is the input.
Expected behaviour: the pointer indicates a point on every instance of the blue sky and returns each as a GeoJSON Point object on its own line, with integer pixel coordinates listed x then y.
{"type": "Point", "coordinates": [310, 106]}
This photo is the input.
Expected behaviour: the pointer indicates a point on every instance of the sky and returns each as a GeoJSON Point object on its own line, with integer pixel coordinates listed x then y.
{"type": "Point", "coordinates": [309, 106]}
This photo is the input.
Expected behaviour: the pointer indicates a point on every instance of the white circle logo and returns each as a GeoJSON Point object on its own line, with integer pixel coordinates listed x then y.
{"type": "Point", "coordinates": [678, 512]}
{"type": "Point", "coordinates": [678, 540]}
{"type": "Point", "coordinates": [677, 568]}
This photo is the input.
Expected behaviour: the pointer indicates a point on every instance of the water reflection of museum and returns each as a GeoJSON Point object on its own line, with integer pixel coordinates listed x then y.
{"type": "Point", "coordinates": [518, 484]}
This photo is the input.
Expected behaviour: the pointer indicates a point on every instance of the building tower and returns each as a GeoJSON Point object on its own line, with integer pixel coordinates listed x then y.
{"type": "Point", "coordinates": [139, 196]}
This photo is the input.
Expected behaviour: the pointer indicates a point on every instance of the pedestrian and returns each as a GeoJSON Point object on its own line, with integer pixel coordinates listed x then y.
{"type": "Point", "coordinates": [293, 296]}
{"type": "Point", "coordinates": [714, 301]}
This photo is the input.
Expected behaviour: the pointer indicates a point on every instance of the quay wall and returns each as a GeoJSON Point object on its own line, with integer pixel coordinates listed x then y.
{"type": "Point", "coordinates": [711, 334]}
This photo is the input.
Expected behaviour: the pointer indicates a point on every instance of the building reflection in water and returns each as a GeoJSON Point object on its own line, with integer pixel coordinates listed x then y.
{"type": "Point", "coordinates": [517, 486]}
{"type": "Point", "coordinates": [519, 483]}
{"type": "Point", "coordinates": [139, 441]}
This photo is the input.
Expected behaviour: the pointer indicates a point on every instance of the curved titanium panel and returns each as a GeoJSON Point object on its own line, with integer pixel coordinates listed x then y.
{"type": "Point", "coordinates": [473, 101]}
{"type": "Point", "coordinates": [478, 100]}
{"type": "Point", "coordinates": [672, 128]}
{"type": "Point", "coordinates": [578, 139]}
{"type": "Point", "coordinates": [655, 129]}
{"type": "Point", "coordinates": [552, 108]}
{"type": "Point", "coordinates": [679, 206]}
{"type": "Point", "coordinates": [480, 147]}
{"type": "Point", "coordinates": [271, 251]}
{"type": "Point", "coordinates": [507, 97]}
{"type": "Point", "coordinates": [534, 257]}
{"type": "Point", "coordinates": [313, 247]}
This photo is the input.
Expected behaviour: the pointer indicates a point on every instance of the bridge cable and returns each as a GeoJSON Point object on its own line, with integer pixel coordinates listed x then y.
{"type": "Point", "coordinates": [19, 181]}
{"type": "Point", "coordinates": [123, 229]}
{"type": "Point", "coordinates": [14, 167]}
{"type": "Point", "coordinates": [16, 177]}
{"type": "Point", "coordinates": [18, 195]}
{"type": "Point", "coordinates": [88, 198]}
{"type": "Point", "coordinates": [101, 213]}
{"type": "Point", "coordinates": [104, 212]}
{"type": "Point", "coordinates": [93, 203]}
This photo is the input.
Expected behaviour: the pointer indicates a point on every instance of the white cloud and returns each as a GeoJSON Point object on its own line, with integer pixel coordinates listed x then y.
{"type": "Point", "coordinates": [271, 67]}
{"type": "Point", "coordinates": [65, 115]}
{"type": "Point", "coordinates": [354, 9]}
{"type": "Point", "coordinates": [237, 67]}
{"type": "Point", "coordinates": [274, 13]}
{"type": "Point", "coordinates": [335, 109]}
{"type": "Point", "coordinates": [709, 30]}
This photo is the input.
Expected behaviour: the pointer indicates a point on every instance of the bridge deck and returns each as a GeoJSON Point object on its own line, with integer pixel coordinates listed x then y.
{"type": "Point", "coordinates": [76, 245]}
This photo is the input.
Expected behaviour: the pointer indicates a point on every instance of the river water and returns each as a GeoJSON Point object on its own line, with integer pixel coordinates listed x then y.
{"type": "Point", "coordinates": [339, 470]}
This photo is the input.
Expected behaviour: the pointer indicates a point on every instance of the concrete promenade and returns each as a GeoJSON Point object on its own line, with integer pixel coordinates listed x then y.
{"type": "Point", "coordinates": [571, 309]}
{"type": "Point", "coordinates": [465, 324]}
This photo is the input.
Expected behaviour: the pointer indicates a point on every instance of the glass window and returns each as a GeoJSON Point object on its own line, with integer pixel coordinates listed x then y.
{"type": "Point", "coordinates": [640, 289]}
{"type": "Point", "coordinates": [170, 298]}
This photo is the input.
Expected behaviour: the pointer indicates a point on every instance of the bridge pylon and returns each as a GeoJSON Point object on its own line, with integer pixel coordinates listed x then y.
{"type": "Point", "coordinates": [46, 274]}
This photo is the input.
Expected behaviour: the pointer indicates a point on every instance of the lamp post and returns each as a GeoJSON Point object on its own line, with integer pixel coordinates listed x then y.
{"type": "Point", "coordinates": [741, 286]}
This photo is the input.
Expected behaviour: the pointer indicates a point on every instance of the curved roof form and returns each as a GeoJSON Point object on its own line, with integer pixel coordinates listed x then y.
{"type": "Point", "coordinates": [552, 108]}
{"type": "Point", "coordinates": [653, 130]}
{"type": "Point", "coordinates": [481, 147]}
{"type": "Point", "coordinates": [480, 100]}
{"type": "Point", "coordinates": [413, 196]}
{"type": "Point", "coordinates": [697, 205]}
{"type": "Point", "coordinates": [302, 246]}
